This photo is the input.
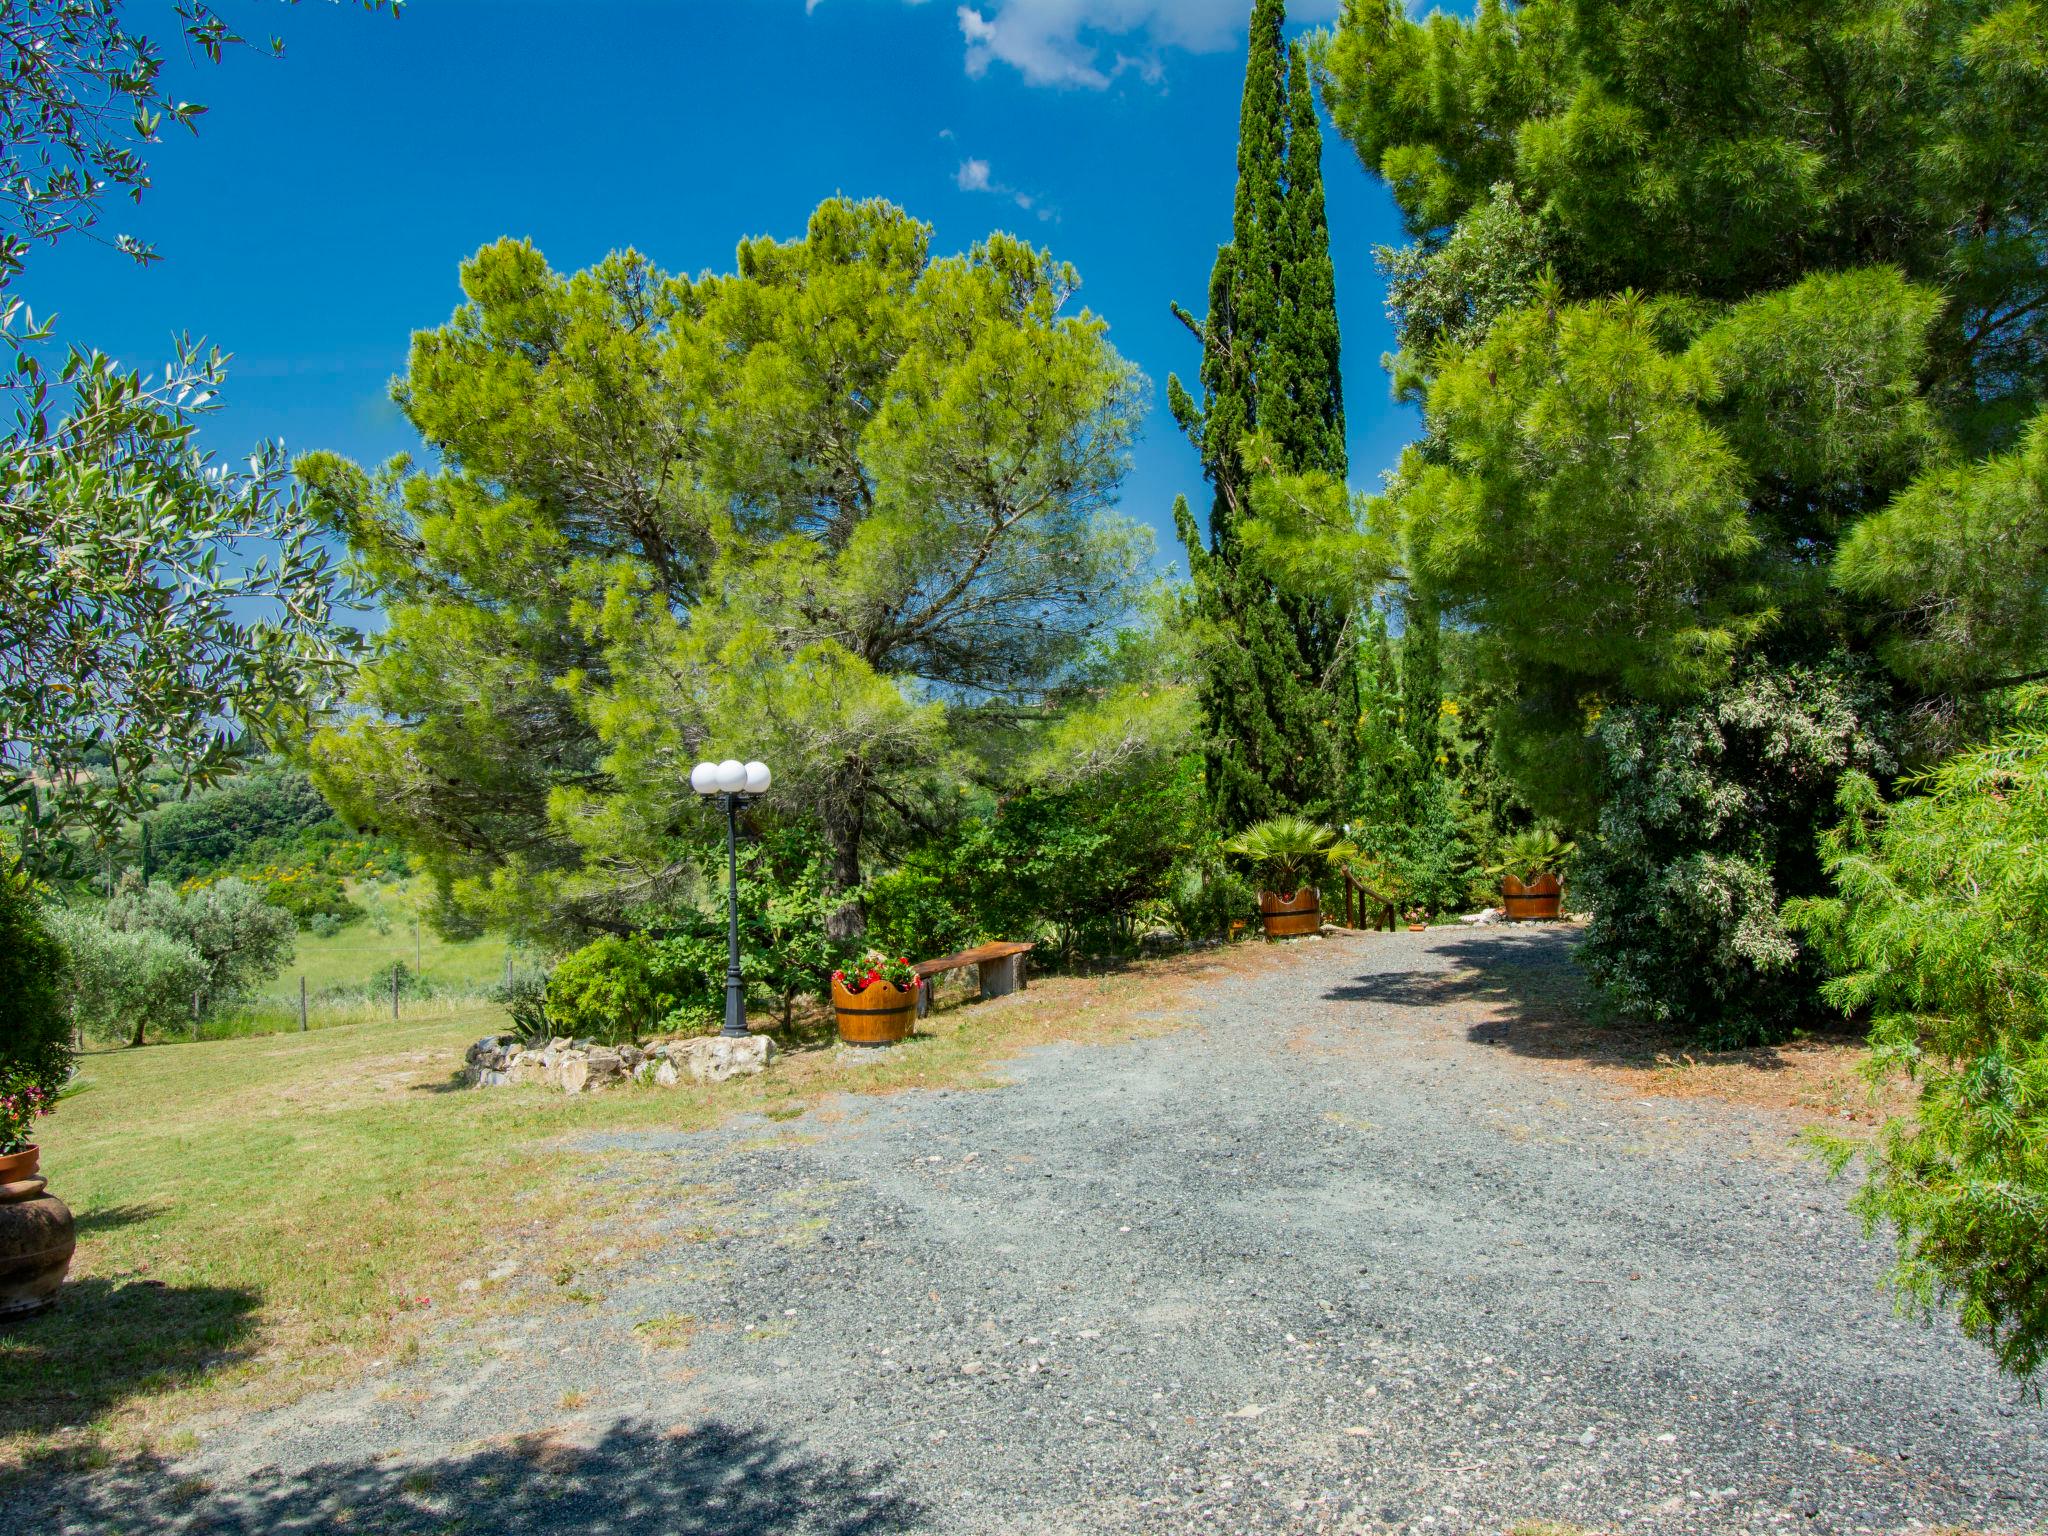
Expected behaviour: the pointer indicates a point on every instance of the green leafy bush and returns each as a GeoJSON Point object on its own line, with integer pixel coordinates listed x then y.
{"type": "Point", "coordinates": [525, 996]}
{"type": "Point", "coordinates": [927, 907]}
{"type": "Point", "coordinates": [34, 1031]}
{"type": "Point", "coordinates": [1939, 934]}
{"type": "Point", "coordinates": [1071, 867]}
{"type": "Point", "coordinates": [615, 988]}
{"type": "Point", "coordinates": [1206, 898]}
{"type": "Point", "coordinates": [120, 982]}
{"type": "Point", "coordinates": [242, 822]}
{"type": "Point", "coordinates": [1711, 822]}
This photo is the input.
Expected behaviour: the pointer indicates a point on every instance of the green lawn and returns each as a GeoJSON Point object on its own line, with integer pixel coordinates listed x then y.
{"type": "Point", "coordinates": [392, 931]}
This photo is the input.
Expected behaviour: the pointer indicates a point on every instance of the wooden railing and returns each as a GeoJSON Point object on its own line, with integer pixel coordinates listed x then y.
{"type": "Point", "coordinates": [1360, 899]}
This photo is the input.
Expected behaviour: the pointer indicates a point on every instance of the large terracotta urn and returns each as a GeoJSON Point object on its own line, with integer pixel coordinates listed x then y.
{"type": "Point", "coordinates": [1291, 915]}
{"type": "Point", "coordinates": [36, 1237]}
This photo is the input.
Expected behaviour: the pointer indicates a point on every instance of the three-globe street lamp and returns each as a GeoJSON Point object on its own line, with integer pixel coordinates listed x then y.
{"type": "Point", "coordinates": [735, 783]}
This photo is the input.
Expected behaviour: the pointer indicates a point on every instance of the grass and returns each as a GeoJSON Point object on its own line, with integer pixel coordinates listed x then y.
{"type": "Point", "coordinates": [259, 1217]}
{"type": "Point", "coordinates": [391, 931]}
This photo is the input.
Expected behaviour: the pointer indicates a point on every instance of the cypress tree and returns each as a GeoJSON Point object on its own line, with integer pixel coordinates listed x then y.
{"type": "Point", "coordinates": [1277, 676]}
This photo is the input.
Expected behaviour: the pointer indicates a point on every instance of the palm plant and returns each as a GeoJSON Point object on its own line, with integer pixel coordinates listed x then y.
{"type": "Point", "coordinates": [1525, 855]}
{"type": "Point", "coordinates": [1284, 850]}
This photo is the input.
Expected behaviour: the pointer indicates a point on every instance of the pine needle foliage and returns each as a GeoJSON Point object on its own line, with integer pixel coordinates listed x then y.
{"type": "Point", "coordinates": [1940, 935]}
{"type": "Point", "coordinates": [1276, 676]}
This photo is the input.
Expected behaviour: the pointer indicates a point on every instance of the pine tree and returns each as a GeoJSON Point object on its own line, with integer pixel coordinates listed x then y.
{"type": "Point", "coordinates": [1277, 678]}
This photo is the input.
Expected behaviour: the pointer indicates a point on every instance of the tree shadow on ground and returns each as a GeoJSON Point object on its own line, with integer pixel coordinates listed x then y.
{"type": "Point", "coordinates": [635, 1481]}
{"type": "Point", "coordinates": [112, 1218]}
{"type": "Point", "coordinates": [107, 1340]}
{"type": "Point", "coordinates": [1520, 988]}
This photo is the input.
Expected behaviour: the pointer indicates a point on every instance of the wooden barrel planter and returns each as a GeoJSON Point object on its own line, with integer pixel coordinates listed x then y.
{"type": "Point", "coordinates": [1292, 915]}
{"type": "Point", "coordinates": [1537, 901]}
{"type": "Point", "coordinates": [37, 1238]}
{"type": "Point", "coordinates": [878, 1014]}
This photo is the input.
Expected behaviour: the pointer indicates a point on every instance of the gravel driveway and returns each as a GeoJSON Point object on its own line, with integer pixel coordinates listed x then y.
{"type": "Point", "coordinates": [1334, 1256]}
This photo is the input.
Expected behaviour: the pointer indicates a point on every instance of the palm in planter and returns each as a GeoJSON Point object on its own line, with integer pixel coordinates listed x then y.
{"type": "Point", "coordinates": [1529, 869]}
{"type": "Point", "coordinates": [1285, 853]}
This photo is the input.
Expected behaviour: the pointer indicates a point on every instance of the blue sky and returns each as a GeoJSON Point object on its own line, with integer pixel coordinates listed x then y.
{"type": "Point", "coordinates": [319, 217]}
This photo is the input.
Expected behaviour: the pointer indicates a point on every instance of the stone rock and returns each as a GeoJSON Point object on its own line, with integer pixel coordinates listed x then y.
{"type": "Point", "coordinates": [579, 1067]}
{"type": "Point", "coordinates": [489, 1046]}
{"type": "Point", "coordinates": [718, 1059]}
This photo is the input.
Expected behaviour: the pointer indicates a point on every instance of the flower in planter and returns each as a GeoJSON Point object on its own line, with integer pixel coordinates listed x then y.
{"type": "Point", "coordinates": [874, 967]}
{"type": "Point", "coordinates": [22, 1101]}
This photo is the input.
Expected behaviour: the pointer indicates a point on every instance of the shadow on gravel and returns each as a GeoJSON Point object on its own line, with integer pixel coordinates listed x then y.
{"type": "Point", "coordinates": [1520, 988]}
{"type": "Point", "coordinates": [636, 1481]}
{"type": "Point", "coordinates": [106, 1339]}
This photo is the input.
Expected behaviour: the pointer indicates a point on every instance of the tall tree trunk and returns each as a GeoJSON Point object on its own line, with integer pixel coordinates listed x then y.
{"type": "Point", "coordinates": [845, 817]}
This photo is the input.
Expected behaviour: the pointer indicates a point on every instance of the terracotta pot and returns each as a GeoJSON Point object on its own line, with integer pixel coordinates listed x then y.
{"type": "Point", "coordinates": [37, 1238]}
{"type": "Point", "coordinates": [1292, 915]}
{"type": "Point", "coordinates": [1418, 927]}
{"type": "Point", "coordinates": [1538, 900]}
{"type": "Point", "coordinates": [878, 1014]}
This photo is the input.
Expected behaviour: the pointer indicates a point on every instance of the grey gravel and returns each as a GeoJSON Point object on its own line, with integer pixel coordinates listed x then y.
{"type": "Point", "coordinates": [1334, 1256]}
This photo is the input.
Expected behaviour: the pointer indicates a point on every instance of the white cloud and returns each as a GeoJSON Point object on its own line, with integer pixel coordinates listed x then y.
{"type": "Point", "coordinates": [975, 176]}
{"type": "Point", "coordinates": [1062, 42]}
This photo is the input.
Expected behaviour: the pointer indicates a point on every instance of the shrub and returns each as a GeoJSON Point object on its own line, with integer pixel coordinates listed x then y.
{"type": "Point", "coordinates": [1205, 898]}
{"type": "Point", "coordinates": [525, 996]}
{"type": "Point", "coordinates": [926, 908]}
{"type": "Point", "coordinates": [1080, 862]}
{"type": "Point", "coordinates": [1940, 934]}
{"type": "Point", "coordinates": [1712, 820]}
{"type": "Point", "coordinates": [1526, 855]}
{"type": "Point", "coordinates": [613, 989]}
{"type": "Point", "coordinates": [35, 1045]}
{"type": "Point", "coordinates": [308, 893]}
{"type": "Point", "coordinates": [120, 982]}
{"type": "Point", "coordinates": [236, 823]}
{"type": "Point", "coordinates": [409, 982]}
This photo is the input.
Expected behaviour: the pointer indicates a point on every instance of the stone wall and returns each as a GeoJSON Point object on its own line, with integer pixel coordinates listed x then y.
{"type": "Point", "coordinates": [579, 1066]}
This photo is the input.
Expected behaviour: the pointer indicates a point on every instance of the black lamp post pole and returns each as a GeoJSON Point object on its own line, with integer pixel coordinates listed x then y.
{"type": "Point", "coordinates": [735, 987]}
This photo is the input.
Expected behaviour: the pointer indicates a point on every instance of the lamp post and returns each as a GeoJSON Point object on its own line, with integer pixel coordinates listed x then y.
{"type": "Point", "coordinates": [735, 783]}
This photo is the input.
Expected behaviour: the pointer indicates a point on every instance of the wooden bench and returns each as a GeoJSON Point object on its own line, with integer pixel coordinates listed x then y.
{"type": "Point", "coordinates": [999, 968]}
